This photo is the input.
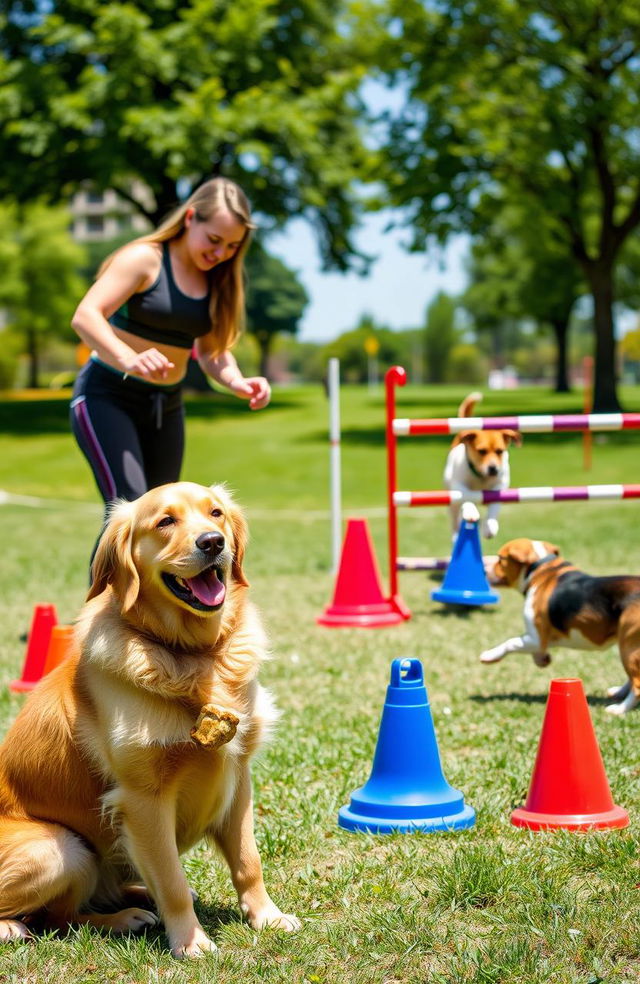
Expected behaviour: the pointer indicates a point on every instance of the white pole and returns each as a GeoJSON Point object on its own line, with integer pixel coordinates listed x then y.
{"type": "Point", "coordinates": [334, 439]}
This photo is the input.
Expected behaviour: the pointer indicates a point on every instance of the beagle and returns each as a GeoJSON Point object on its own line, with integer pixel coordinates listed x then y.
{"type": "Point", "coordinates": [478, 461]}
{"type": "Point", "coordinates": [566, 607]}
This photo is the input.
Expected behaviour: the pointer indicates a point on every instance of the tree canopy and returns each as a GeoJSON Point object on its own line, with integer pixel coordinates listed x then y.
{"type": "Point", "coordinates": [40, 284]}
{"type": "Point", "coordinates": [275, 300]}
{"type": "Point", "coordinates": [520, 270]}
{"type": "Point", "coordinates": [529, 99]}
{"type": "Point", "coordinates": [172, 91]}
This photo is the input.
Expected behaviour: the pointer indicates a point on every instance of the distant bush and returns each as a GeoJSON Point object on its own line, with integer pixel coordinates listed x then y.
{"type": "Point", "coordinates": [467, 364]}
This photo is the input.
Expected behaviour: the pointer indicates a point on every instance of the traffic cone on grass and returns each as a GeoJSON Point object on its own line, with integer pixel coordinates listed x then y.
{"type": "Point", "coordinates": [60, 646]}
{"type": "Point", "coordinates": [406, 792]}
{"type": "Point", "coordinates": [358, 599]}
{"type": "Point", "coordinates": [465, 582]}
{"type": "Point", "coordinates": [569, 786]}
{"type": "Point", "coordinates": [42, 623]}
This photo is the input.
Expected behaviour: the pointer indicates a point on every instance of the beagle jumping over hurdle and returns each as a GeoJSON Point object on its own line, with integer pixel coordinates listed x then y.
{"type": "Point", "coordinates": [566, 607]}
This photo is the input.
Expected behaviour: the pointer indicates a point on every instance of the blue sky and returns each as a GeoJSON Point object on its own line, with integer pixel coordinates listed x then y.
{"type": "Point", "coordinates": [396, 293]}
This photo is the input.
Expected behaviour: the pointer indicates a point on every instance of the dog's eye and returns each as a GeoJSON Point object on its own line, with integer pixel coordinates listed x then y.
{"type": "Point", "coordinates": [166, 521]}
{"type": "Point", "coordinates": [482, 450]}
{"type": "Point", "coordinates": [217, 513]}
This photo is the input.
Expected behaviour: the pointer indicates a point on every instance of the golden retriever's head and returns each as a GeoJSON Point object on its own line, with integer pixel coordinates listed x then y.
{"type": "Point", "coordinates": [177, 545]}
{"type": "Point", "coordinates": [486, 449]}
{"type": "Point", "coordinates": [516, 556]}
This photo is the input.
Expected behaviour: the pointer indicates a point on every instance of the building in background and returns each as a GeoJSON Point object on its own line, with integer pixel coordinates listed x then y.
{"type": "Point", "coordinates": [98, 216]}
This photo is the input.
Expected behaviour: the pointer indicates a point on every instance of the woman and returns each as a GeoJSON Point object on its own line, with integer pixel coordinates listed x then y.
{"type": "Point", "coordinates": [154, 300]}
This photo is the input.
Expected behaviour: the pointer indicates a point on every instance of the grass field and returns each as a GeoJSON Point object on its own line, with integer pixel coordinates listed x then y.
{"type": "Point", "coordinates": [492, 904]}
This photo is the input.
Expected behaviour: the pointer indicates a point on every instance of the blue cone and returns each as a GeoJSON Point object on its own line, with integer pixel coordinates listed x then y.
{"type": "Point", "coordinates": [406, 792]}
{"type": "Point", "coordinates": [465, 582]}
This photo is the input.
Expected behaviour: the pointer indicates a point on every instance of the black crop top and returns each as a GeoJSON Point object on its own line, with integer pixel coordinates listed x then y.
{"type": "Point", "coordinates": [162, 313]}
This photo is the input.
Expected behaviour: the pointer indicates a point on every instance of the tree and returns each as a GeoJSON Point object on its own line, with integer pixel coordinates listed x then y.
{"type": "Point", "coordinates": [275, 300]}
{"type": "Point", "coordinates": [520, 270]}
{"type": "Point", "coordinates": [40, 285]}
{"type": "Point", "coordinates": [351, 349]}
{"type": "Point", "coordinates": [535, 99]}
{"type": "Point", "coordinates": [172, 92]}
{"type": "Point", "coordinates": [440, 336]}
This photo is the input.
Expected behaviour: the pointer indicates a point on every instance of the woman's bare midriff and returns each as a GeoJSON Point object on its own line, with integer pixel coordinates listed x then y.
{"type": "Point", "coordinates": [179, 357]}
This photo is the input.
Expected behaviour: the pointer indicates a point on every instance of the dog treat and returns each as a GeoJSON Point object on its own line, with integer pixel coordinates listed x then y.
{"type": "Point", "coordinates": [214, 727]}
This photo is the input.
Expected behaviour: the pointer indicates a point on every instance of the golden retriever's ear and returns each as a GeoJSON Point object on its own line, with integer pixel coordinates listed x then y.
{"type": "Point", "coordinates": [240, 531]}
{"type": "Point", "coordinates": [240, 537]}
{"type": "Point", "coordinates": [513, 437]}
{"type": "Point", "coordinates": [113, 562]}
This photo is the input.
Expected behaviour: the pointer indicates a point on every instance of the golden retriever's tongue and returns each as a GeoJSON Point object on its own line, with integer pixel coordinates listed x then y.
{"type": "Point", "coordinates": [207, 588]}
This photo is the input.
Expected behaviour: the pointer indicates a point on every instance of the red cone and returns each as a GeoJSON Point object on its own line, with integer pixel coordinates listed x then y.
{"type": "Point", "coordinates": [358, 598]}
{"type": "Point", "coordinates": [60, 645]}
{"type": "Point", "coordinates": [42, 623]}
{"type": "Point", "coordinates": [569, 787]}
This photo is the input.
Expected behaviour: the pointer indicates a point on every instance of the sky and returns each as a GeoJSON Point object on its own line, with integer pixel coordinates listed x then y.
{"type": "Point", "coordinates": [396, 293]}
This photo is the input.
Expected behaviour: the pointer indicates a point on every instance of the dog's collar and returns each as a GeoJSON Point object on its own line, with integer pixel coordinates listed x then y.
{"type": "Point", "coordinates": [532, 568]}
{"type": "Point", "coordinates": [472, 467]}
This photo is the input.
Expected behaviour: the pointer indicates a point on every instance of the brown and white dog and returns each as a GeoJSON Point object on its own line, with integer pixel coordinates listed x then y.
{"type": "Point", "coordinates": [566, 607]}
{"type": "Point", "coordinates": [478, 461]}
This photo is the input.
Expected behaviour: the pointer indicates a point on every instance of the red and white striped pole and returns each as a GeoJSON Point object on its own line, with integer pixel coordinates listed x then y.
{"type": "Point", "coordinates": [541, 493]}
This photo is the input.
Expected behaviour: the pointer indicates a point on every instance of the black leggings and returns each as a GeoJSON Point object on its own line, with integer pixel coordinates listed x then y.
{"type": "Point", "coordinates": [131, 432]}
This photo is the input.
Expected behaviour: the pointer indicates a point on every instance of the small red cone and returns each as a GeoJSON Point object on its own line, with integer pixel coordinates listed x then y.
{"type": "Point", "coordinates": [569, 786]}
{"type": "Point", "coordinates": [358, 599]}
{"type": "Point", "coordinates": [42, 623]}
{"type": "Point", "coordinates": [60, 645]}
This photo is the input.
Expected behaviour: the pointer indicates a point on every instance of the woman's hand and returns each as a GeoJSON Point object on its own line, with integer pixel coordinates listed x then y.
{"type": "Point", "coordinates": [255, 389]}
{"type": "Point", "coordinates": [150, 364]}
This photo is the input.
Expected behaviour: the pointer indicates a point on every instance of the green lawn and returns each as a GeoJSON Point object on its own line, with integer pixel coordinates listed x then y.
{"type": "Point", "coordinates": [492, 904]}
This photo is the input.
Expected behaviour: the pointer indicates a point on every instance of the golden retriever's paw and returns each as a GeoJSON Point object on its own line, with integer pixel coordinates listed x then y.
{"type": "Point", "coordinates": [125, 921]}
{"type": "Point", "coordinates": [214, 727]}
{"type": "Point", "coordinates": [195, 943]}
{"type": "Point", "coordinates": [13, 931]}
{"type": "Point", "coordinates": [272, 918]}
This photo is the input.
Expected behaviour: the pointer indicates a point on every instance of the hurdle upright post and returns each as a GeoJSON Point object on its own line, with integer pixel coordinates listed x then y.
{"type": "Point", "coordinates": [587, 384]}
{"type": "Point", "coordinates": [333, 387]}
{"type": "Point", "coordinates": [395, 376]}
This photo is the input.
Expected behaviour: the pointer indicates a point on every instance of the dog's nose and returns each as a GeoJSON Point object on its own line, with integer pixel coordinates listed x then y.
{"type": "Point", "coordinates": [492, 470]}
{"type": "Point", "coordinates": [210, 543]}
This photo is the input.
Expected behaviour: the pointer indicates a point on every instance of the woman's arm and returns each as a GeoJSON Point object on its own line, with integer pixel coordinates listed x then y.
{"type": "Point", "coordinates": [132, 269]}
{"type": "Point", "coordinates": [224, 369]}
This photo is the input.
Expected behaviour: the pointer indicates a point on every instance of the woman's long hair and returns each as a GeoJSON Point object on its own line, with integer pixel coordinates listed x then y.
{"type": "Point", "coordinates": [227, 304]}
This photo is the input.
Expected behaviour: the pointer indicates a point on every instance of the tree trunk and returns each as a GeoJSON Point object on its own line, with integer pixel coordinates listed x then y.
{"type": "Point", "coordinates": [561, 331]}
{"type": "Point", "coordinates": [605, 397]}
{"type": "Point", "coordinates": [32, 350]}
{"type": "Point", "coordinates": [264, 340]}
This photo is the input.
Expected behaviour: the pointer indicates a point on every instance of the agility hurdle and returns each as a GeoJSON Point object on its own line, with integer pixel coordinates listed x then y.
{"type": "Point", "coordinates": [533, 423]}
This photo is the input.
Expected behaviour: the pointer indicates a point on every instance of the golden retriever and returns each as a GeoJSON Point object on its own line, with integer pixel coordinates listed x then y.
{"type": "Point", "coordinates": [138, 745]}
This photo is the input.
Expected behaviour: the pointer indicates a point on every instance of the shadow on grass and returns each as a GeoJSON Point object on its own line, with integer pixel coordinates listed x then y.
{"type": "Point", "coordinates": [521, 698]}
{"type": "Point", "coordinates": [51, 415]}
